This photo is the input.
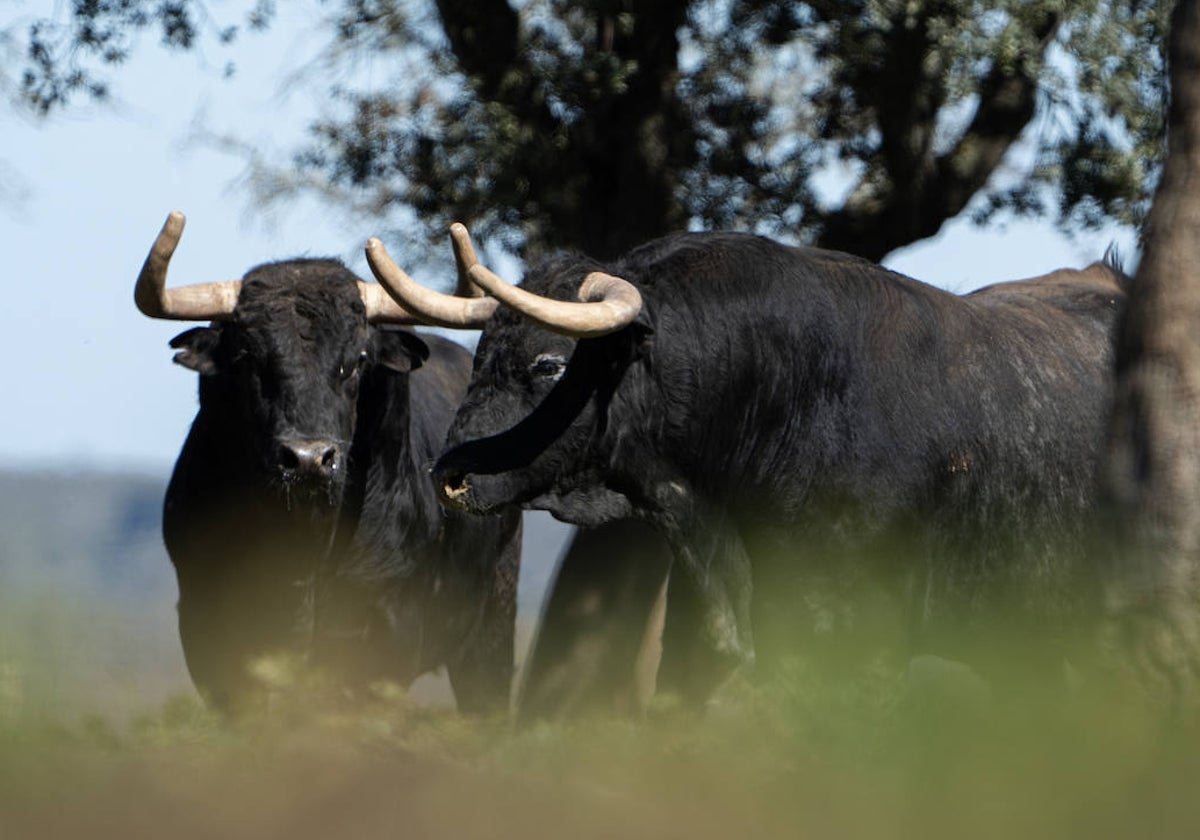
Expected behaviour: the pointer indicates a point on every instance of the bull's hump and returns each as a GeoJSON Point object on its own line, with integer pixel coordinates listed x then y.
{"type": "Point", "coordinates": [1098, 289]}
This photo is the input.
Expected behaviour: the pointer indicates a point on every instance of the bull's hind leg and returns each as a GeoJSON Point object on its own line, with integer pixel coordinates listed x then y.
{"type": "Point", "coordinates": [596, 647]}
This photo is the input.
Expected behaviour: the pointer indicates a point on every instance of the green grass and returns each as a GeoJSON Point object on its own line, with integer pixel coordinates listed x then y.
{"type": "Point", "coordinates": [102, 738]}
{"type": "Point", "coordinates": [797, 757]}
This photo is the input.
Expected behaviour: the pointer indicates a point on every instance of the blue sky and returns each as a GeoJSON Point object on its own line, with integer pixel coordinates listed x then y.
{"type": "Point", "coordinates": [87, 380]}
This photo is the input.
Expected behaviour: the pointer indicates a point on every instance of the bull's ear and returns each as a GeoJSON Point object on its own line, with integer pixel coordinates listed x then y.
{"type": "Point", "coordinates": [642, 333]}
{"type": "Point", "coordinates": [400, 350]}
{"type": "Point", "coordinates": [196, 349]}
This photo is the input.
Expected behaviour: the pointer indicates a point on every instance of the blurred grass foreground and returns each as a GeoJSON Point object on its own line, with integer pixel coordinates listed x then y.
{"type": "Point", "coordinates": [793, 759]}
{"type": "Point", "coordinates": [101, 735]}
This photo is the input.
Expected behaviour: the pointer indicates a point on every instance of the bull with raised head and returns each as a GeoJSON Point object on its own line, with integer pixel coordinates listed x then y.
{"type": "Point", "coordinates": [797, 422]}
{"type": "Point", "coordinates": [299, 517]}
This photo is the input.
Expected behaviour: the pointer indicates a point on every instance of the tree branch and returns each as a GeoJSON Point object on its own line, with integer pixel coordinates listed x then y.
{"type": "Point", "coordinates": [920, 195]}
{"type": "Point", "coordinates": [486, 39]}
{"type": "Point", "coordinates": [1007, 101]}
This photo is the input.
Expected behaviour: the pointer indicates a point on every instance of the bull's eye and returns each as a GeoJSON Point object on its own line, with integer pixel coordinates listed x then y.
{"type": "Point", "coordinates": [348, 369]}
{"type": "Point", "coordinates": [548, 366]}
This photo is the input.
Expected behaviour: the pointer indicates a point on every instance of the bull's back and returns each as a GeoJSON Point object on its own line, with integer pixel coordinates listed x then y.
{"type": "Point", "coordinates": [1093, 294]}
{"type": "Point", "coordinates": [1051, 338]}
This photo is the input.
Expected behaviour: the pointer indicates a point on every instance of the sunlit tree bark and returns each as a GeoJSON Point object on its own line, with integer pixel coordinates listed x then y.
{"type": "Point", "coordinates": [1154, 472]}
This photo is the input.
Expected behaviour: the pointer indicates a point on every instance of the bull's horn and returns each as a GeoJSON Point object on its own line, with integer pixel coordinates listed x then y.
{"type": "Point", "coordinates": [200, 302]}
{"type": "Point", "coordinates": [381, 309]}
{"type": "Point", "coordinates": [608, 304]}
{"type": "Point", "coordinates": [432, 307]}
{"type": "Point", "coordinates": [464, 258]}
{"type": "Point", "coordinates": [216, 301]}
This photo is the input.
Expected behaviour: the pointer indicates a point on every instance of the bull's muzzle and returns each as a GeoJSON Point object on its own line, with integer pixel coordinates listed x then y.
{"type": "Point", "coordinates": [453, 489]}
{"type": "Point", "coordinates": [309, 460]}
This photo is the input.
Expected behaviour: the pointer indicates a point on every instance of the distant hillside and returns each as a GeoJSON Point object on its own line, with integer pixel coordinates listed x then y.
{"type": "Point", "coordinates": [87, 594]}
{"type": "Point", "coordinates": [93, 532]}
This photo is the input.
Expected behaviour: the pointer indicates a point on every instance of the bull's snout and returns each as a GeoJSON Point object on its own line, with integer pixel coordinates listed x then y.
{"type": "Point", "coordinates": [311, 460]}
{"type": "Point", "coordinates": [451, 483]}
{"type": "Point", "coordinates": [452, 489]}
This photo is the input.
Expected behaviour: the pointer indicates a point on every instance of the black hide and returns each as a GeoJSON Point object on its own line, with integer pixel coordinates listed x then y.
{"type": "Point", "coordinates": [803, 425]}
{"type": "Point", "coordinates": [299, 517]}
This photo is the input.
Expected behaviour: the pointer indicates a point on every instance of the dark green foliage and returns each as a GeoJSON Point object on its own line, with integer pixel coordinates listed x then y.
{"type": "Point", "coordinates": [63, 57]}
{"type": "Point", "coordinates": [599, 125]}
{"type": "Point", "coordinates": [857, 125]}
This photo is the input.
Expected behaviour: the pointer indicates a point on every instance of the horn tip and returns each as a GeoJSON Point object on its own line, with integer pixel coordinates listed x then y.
{"type": "Point", "coordinates": [461, 237]}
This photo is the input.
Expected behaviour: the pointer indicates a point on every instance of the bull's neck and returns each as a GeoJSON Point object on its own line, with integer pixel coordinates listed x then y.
{"type": "Point", "coordinates": [755, 389]}
{"type": "Point", "coordinates": [381, 432]}
{"type": "Point", "coordinates": [383, 479]}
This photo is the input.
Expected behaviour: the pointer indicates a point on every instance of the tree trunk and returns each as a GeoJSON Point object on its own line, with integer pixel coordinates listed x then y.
{"type": "Point", "coordinates": [1154, 456]}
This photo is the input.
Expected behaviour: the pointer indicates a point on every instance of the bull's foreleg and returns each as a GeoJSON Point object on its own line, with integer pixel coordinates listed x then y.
{"type": "Point", "coordinates": [482, 675]}
{"type": "Point", "coordinates": [481, 671]}
{"type": "Point", "coordinates": [711, 562]}
{"type": "Point", "coordinates": [720, 571]}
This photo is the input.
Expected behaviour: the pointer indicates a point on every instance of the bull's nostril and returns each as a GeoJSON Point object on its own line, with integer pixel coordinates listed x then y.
{"type": "Point", "coordinates": [311, 458]}
{"type": "Point", "coordinates": [288, 459]}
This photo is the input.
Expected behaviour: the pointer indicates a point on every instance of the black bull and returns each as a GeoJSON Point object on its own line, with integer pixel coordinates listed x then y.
{"type": "Point", "coordinates": [300, 518]}
{"type": "Point", "coordinates": [797, 422]}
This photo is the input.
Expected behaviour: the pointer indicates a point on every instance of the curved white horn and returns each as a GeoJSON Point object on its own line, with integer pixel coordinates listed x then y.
{"type": "Point", "coordinates": [464, 258]}
{"type": "Point", "coordinates": [381, 309]}
{"type": "Point", "coordinates": [199, 302]}
{"type": "Point", "coordinates": [608, 303]}
{"type": "Point", "coordinates": [431, 307]}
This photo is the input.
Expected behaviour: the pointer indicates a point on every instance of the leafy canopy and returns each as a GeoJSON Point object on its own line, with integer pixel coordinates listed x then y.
{"type": "Point", "coordinates": [861, 125]}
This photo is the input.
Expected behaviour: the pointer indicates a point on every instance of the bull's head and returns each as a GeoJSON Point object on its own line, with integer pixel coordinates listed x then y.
{"type": "Point", "coordinates": [283, 358]}
{"type": "Point", "coordinates": [532, 429]}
